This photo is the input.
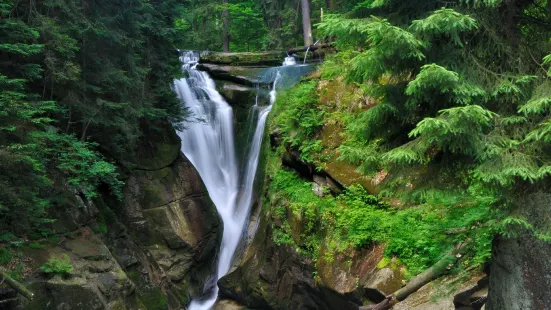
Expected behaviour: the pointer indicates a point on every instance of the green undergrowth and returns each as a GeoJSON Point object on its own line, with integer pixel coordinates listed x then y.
{"type": "Point", "coordinates": [419, 236]}
{"type": "Point", "coordinates": [299, 118]}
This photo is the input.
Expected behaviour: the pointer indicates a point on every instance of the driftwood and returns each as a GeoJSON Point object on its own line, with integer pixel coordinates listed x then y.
{"type": "Point", "coordinates": [311, 48]}
{"type": "Point", "coordinates": [429, 275]}
{"type": "Point", "coordinates": [15, 285]}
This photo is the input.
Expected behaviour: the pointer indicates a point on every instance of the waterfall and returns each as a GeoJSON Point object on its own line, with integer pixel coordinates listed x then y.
{"type": "Point", "coordinates": [208, 142]}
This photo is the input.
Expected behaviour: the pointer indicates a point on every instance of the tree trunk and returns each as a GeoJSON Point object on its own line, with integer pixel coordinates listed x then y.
{"type": "Point", "coordinates": [429, 275]}
{"type": "Point", "coordinates": [226, 21]}
{"type": "Point", "coordinates": [306, 24]}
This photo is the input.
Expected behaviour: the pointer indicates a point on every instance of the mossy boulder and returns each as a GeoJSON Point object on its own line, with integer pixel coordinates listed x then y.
{"type": "Point", "coordinates": [247, 76]}
{"type": "Point", "coordinates": [96, 281]}
{"type": "Point", "coordinates": [244, 59]}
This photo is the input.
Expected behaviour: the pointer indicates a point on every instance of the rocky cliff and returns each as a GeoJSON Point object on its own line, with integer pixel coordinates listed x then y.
{"type": "Point", "coordinates": [152, 250]}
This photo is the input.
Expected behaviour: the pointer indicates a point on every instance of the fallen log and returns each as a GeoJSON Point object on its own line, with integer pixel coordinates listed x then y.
{"type": "Point", "coordinates": [20, 288]}
{"type": "Point", "coordinates": [427, 276]}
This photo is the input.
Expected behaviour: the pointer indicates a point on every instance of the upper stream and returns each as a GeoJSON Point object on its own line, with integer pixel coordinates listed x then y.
{"type": "Point", "coordinates": [208, 141]}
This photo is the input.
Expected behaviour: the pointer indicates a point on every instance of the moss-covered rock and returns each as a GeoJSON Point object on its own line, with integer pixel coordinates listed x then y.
{"type": "Point", "coordinates": [247, 76]}
{"type": "Point", "coordinates": [96, 281]}
{"type": "Point", "coordinates": [244, 59]}
{"type": "Point", "coordinates": [276, 277]}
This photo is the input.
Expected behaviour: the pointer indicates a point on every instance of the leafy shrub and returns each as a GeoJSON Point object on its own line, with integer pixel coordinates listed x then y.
{"type": "Point", "coordinates": [58, 267]}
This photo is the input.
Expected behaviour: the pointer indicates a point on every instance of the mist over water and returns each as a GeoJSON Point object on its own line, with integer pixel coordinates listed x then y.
{"type": "Point", "coordinates": [209, 143]}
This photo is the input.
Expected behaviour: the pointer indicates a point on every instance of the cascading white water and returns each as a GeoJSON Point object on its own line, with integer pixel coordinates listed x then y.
{"type": "Point", "coordinates": [208, 142]}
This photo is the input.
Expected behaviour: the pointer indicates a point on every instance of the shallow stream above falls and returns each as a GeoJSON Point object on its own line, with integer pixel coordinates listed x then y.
{"type": "Point", "coordinates": [208, 141]}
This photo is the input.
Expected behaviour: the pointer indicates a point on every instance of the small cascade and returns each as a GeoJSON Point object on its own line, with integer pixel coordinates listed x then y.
{"type": "Point", "coordinates": [307, 50]}
{"type": "Point", "coordinates": [208, 142]}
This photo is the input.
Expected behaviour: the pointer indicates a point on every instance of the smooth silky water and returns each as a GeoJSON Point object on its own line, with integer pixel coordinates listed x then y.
{"type": "Point", "coordinates": [208, 141]}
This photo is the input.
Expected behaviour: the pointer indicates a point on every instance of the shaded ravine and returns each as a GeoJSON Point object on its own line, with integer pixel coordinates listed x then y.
{"type": "Point", "coordinates": [208, 142]}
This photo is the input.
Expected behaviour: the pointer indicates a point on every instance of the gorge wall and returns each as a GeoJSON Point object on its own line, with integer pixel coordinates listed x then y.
{"type": "Point", "coordinates": [152, 250]}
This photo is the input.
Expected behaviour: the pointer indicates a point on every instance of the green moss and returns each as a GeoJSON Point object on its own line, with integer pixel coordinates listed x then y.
{"type": "Point", "coordinates": [35, 245]}
{"type": "Point", "coordinates": [356, 219]}
{"type": "Point", "coordinates": [5, 256]}
{"type": "Point", "coordinates": [153, 299]}
{"type": "Point", "coordinates": [150, 195]}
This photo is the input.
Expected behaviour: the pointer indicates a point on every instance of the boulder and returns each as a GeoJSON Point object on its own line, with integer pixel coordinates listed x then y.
{"type": "Point", "coordinates": [248, 76]}
{"type": "Point", "coordinates": [520, 272]}
{"type": "Point", "coordinates": [96, 281]}
{"type": "Point", "coordinates": [244, 59]}
{"type": "Point", "coordinates": [228, 305]}
{"type": "Point", "coordinates": [238, 95]}
{"type": "Point", "coordinates": [157, 246]}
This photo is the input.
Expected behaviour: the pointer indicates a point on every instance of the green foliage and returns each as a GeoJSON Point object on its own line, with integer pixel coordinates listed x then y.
{"type": "Point", "coordinates": [77, 78]}
{"type": "Point", "coordinates": [82, 167]}
{"type": "Point", "coordinates": [299, 119]}
{"type": "Point", "coordinates": [453, 122]}
{"type": "Point", "coordinates": [444, 22]}
{"type": "Point", "coordinates": [419, 236]}
{"type": "Point", "coordinates": [547, 61]}
{"type": "Point", "coordinates": [58, 267]}
{"type": "Point", "coordinates": [390, 48]}
{"type": "Point", "coordinates": [5, 256]}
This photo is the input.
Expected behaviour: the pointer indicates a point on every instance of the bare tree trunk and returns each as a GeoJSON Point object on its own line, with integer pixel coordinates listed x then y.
{"type": "Point", "coordinates": [429, 275]}
{"type": "Point", "coordinates": [226, 21]}
{"type": "Point", "coordinates": [306, 23]}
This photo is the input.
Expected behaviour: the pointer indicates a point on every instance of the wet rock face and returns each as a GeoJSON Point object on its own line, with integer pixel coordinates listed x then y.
{"type": "Point", "coordinates": [169, 212]}
{"type": "Point", "coordinates": [276, 277]}
{"type": "Point", "coordinates": [520, 276]}
{"type": "Point", "coordinates": [156, 248]}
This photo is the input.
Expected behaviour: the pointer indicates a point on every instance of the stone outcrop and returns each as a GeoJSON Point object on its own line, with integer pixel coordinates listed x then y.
{"type": "Point", "coordinates": [244, 59]}
{"type": "Point", "coordinates": [276, 277]}
{"type": "Point", "coordinates": [520, 272]}
{"type": "Point", "coordinates": [97, 280]}
{"type": "Point", "coordinates": [153, 250]}
{"type": "Point", "coordinates": [248, 76]}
